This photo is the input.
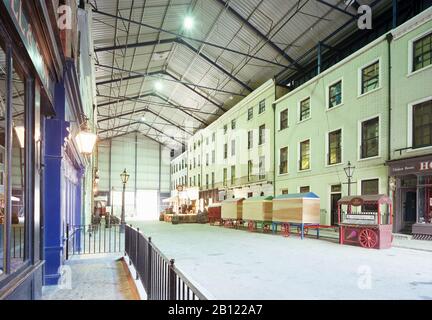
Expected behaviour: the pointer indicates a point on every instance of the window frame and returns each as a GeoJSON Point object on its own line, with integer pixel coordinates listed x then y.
{"type": "Point", "coordinates": [328, 108]}
{"type": "Point", "coordinates": [299, 111]}
{"type": "Point", "coordinates": [287, 161]}
{"type": "Point", "coordinates": [250, 113]}
{"type": "Point", "coordinates": [410, 126]}
{"type": "Point", "coordinates": [360, 92]}
{"type": "Point", "coordinates": [250, 139]}
{"type": "Point", "coordinates": [360, 138]}
{"type": "Point", "coordinates": [411, 54]}
{"type": "Point", "coordinates": [262, 135]}
{"type": "Point", "coordinates": [287, 119]}
{"type": "Point", "coordinates": [262, 109]}
{"type": "Point", "coordinates": [327, 145]}
{"type": "Point", "coordinates": [300, 156]}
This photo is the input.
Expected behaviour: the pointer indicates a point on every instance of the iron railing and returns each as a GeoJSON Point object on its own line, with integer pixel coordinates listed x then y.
{"type": "Point", "coordinates": [158, 274]}
{"type": "Point", "coordinates": [94, 239]}
{"type": "Point", "coordinates": [17, 239]}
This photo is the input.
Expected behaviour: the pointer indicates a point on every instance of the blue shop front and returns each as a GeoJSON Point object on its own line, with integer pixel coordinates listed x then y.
{"type": "Point", "coordinates": [41, 170]}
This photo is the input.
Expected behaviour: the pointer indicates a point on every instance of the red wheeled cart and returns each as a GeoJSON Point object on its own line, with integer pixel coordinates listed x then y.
{"type": "Point", "coordinates": [366, 221]}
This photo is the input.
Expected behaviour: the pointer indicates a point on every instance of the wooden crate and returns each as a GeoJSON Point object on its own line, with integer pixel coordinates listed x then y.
{"type": "Point", "coordinates": [297, 208]}
{"type": "Point", "coordinates": [214, 212]}
{"type": "Point", "coordinates": [258, 209]}
{"type": "Point", "coordinates": [232, 209]}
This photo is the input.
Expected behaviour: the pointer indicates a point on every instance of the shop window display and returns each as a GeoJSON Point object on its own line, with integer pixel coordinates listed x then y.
{"type": "Point", "coordinates": [425, 200]}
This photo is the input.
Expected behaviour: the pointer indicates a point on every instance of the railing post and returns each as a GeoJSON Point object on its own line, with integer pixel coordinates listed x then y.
{"type": "Point", "coordinates": [172, 281]}
{"type": "Point", "coordinates": [149, 267]}
{"type": "Point", "coordinates": [136, 253]}
{"type": "Point", "coordinates": [129, 243]}
{"type": "Point", "coordinates": [67, 241]}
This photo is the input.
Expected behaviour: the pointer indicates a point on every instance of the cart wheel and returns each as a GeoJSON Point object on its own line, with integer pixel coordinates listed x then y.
{"type": "Point", "coordinates": [368, 238]}
{"type": "Point", "coordinates": [285, 230]}
{"type": "Point", "coordinates": [305, 231]}
{"type": "Point", "coordinates": [251, 226]}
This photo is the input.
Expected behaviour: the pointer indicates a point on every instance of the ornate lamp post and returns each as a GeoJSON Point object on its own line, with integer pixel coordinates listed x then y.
{"type": "Point", "coordinates": [349, 171]}
{"type": "Point", "coordinates": [124, 178]}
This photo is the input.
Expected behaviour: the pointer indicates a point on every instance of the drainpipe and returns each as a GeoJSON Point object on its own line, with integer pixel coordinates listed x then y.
{"type": "Point", "coordinates": [389, 38]}
{"type": "Point", "coordinates": [274, 143]}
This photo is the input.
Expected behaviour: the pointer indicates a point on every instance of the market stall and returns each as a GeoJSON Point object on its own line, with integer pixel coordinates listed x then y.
{"type": "Point", "coordinates": [232, 212]}
{"type": "Point", "coordinates": [258, 211]}
{"type": "Point", "coordinates": [366, 221]}
{"type": "Point", "coordinates": [298, 210]}
{"type": "Point", "coordinates": [214, 212]}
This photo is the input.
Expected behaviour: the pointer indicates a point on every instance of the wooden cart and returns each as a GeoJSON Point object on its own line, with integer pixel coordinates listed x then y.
{"type": "Point", "coordinates": [298, 210]}
{"type": "Point", "coordinates": [232, 212]}
{"type": "Point", "coordinates": [363, 222]}
{"type": "Point", "coordinates": [257, 212]}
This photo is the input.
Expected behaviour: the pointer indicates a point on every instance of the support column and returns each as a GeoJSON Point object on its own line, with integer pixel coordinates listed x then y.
{"type": "Point", "coordinates": [53, 233]}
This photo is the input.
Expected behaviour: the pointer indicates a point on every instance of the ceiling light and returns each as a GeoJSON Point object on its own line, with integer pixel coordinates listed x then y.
{"type": "Point", "coordinates": [143, 119]}
{"type": "Point", "coordinates": [158, 86]}
{"type": "Point", "coordinates": [188, 23]}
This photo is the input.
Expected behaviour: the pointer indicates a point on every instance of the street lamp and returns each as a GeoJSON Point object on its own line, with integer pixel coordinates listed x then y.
{"type": "Point", "coordinates": [124, 178]}
{"type": "Point", "coordinates": [86, 139]}
{"type": "Point", "coordinates": [349, 171]}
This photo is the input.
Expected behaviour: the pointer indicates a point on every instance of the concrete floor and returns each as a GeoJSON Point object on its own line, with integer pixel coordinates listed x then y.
{"type": "Point", "coordinates": [93, 277]}
{"type": "Point", "coordinates": [234, 264]}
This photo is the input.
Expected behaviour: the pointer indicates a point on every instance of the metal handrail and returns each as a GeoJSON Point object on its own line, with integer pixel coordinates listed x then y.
{"type": "Point", "coordinates": [161, 279]}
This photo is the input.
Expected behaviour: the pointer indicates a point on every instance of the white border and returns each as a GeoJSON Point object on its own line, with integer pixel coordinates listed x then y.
{"type": "Point", "coordinates": [328, 94]}
{"type": "Point", "coordinates": [359, 77]}
{"type": "Point", "coordinates": [410, 128]}
{"type": "Point", "coordinates": [359, 137]}
{"type": "Point", "coordinates": [327, 145]}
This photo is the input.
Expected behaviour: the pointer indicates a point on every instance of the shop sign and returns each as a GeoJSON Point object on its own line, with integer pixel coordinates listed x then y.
{"type": "Point", "coordinates": [25, 31]}
{"type": "Point", "coordinates": [411, 166]}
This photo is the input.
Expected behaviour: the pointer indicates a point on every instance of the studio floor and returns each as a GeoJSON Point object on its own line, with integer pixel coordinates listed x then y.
{"type": "Point", "coordinates": [235, 264]}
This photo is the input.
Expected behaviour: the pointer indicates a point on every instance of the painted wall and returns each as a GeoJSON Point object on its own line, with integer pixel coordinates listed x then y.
{"type": "Point", "coordinates": [147, 162]}
{"type": "Point", "coordinates": [179, 171]}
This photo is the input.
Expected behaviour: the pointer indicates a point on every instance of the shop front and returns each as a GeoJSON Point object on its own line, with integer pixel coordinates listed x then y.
{"type": "Point", "coordinates": [411, 183]}
{"type": "Point", "coordinates": [27, 78]}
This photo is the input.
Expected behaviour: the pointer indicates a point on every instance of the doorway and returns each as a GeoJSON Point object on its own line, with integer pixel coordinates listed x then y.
{"type": "Point", "coordinates": [409, 207]}
{"type": "Point", "coordinates": [335, 196]}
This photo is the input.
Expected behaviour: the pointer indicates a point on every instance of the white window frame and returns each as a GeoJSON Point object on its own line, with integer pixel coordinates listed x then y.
{"type": "Point", "coordinates": [233, 148]}
{"type": "Point", "coordinates": [360, 77]}
{"type": "Point", "coordinates": [328, 94]}
{"type": "Point", "coordinates": [410, 135]}
{"type": "Point", "coordinates": [247, 114]}
{"type": "Point", "coordinates": [411, 56]}
{"type": "Point", "coordinates": [299, 109]}
{"type": "Point", "coordinates": [279, 160]}
{"type": "Point", "coordinates": [359, 184]}
{"type": "Point", "coordinates": [327, 145]}
{"type": "Point", "coordinates": [359, 137]}
{"type": "Point", "coordinates": [299, 155]}
{"type": "Point", "coordinates": [280, 117]}
{"type": "Point", "coordinates": [265, 106]}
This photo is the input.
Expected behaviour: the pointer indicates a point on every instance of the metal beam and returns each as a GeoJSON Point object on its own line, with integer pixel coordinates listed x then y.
{"type": "Point", "coordinates": [259, 33]}
{"type": "Point", "coordinates": [163, 72]}
{"type": "Point", "coordinates": [336, 8]}
{"type": "Point", "coordinates": [190, 38]}
{"type": "Point", "coordinates": [131, 132]}
{"type": "Point", "coordinates": [180, 42]}
{"type": "Point", "coordinates": [149, 74]}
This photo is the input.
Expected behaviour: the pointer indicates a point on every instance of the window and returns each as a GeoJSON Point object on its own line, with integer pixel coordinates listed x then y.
{"type": "Point", "coordinates": [213, 157]}
{"type": "Point", "coordinates": [207, 181]}
{"type": "Point", "coordinates": [199, 143]}
{"type": "Point", "coordinates": [370, 138]}
{"type": "Point", "coordinates": [225, 151]}
{"type": "Point", "coordinates": [233, 174]}
{"type": "Point", "coordinates": [250, 113]}
{"type": "Point", "coordinates": [194, 163]}
{"type": "Point", "coordinates": [305, 109]}
{"type": "Point", "coordinates": [261, 137]}
{"type": "Point", "coordinates": [233, 148]}
{"type": "Point", "coordinates": [207, 141]}
{"type": "Point", "coordinates": [370, 78]}
{"type": "Point", "coordinates": [213, 180]}
{"type": "Point", "coordinates": [283, 119]}
{"type": "Point", "coordinates": [422, 125]}
{"type": "Point", "coordinates": [190, 181]}
{"type": "Point", "coordinates": [284, 191]}
{"type": "Point", "coordinates": [250, 168]}
{"type": "Point", "coordinates": [335, 95]}
{"type": "Point", "coordinates": [225, 129]}
{"type": "Point", "coordinates": [199, 161]}
{"type": "Point", "coordinates": [334, 147]}
{"type": "Point", "coordinates": [194, 146]}
{"type": "Point", "coordinates": [213, 137]}
{"type": "Point", "coordinates": [305, 155]}
{"type": "Point", "coordinates": [194, 181]}
{"type": "Point", "coordinates": [370, 187]}
{"type": "Point", "coordinates": [262, 107]}
{"type": "Point", "coordinates": [190, 166]}
{"type": "Point", "coordinates": [225, 174]}
{"type": "Point", "coordinates": [199, 180]}
{"type": "Point", "coordinates": [283, 165]}
{"type": "Point", "coordinates": [250, 194]}
{"type": "Point", "coordinates": [422, 55]}
{"type": "Point", "coordinates": [305, 189]}
{"type": "Point", "coordinates": [250, 140]}
{"type": "Point", "coordinates": [207, 159]}
{"type": "Point", "coordinates": [233, 124]}
{"type": "Point", "coordinates": [13, 253]}
{"type": "Point", "coordinates": [262, 171]}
